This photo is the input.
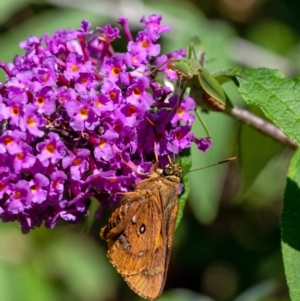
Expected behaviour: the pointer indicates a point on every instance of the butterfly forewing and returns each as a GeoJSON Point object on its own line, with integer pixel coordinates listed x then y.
{"type": "Point", "coordinates": [140, 232]}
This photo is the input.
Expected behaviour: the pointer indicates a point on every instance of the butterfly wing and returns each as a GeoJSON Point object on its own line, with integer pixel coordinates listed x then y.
{"type": "Point", "coordinates": [135, 236]}
{"type": "Point", "coordinates": [140, 235]}
{"type": "Point", "coordinates": [170, 229]}
{"type": "Point", "coordinates": [149, 283]}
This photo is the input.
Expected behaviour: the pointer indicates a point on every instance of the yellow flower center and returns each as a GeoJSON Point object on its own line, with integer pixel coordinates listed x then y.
{"type": "Point", "coordinates": [40, 101]}
{"type": "Point", "coordinates": [179, 135]}
{"type": "Point", "coordinates": [50, 148]}
{"type": "Point", "coordinates": [112, 95]}
{"type": "Point", "coordinates": [84, 81]}
{"type": "Point", "coordinates": [144, 44]}
{"type": "Point", "coordinates": [131, 110]}
{"type": "Point", "coordinates": [98, 103]}
{"type": "Point", "coordinates": [20, 156]}
{"type": "Point", "coordinates": [34, 188]}
{"type": "Point", "coordinates": [8, 140]}
{"type": "Point", "coordinates": [15, 111]}
{"type": "Point", "coordinates": [180, 111]}
{"type": "Point", "coordinates": [74, 68]}
{"type": "Point", "coordinates": [17, 195]}
{"type": "Point", "coordinates": [115, 71]}
{"type": "Point", "coordinates": [84, 112]}
{"type": "Point", "coordinates": [77, 162]}
{"type": "Point", "coordinates": [137, 91]}
{"type": "Point", "coordinates": [102, 143]}
{"type": "Point", "coordinates": [30, 121]}
{"type": "Point", "coordinates": [45, 77]}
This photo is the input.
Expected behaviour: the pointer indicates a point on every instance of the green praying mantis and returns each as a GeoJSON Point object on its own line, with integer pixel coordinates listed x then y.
{"type": "Point", "coordinates": [205, 87]}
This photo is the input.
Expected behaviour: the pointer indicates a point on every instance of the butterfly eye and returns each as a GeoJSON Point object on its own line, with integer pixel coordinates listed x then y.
{"type": "Point", "coordinates": [167, 171]}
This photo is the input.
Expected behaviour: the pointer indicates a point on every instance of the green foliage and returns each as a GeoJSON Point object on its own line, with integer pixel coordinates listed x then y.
{"type": "Point", "coordinates": [31, 266]}
{"type": "Point", "coordinates": [253, 159]}
{"type": "Point", "coordinates": [277, 96]}
{"type": "Point", "coordinates": [228, 74]}
{"type": "Point", "coordinates": [186, 163]}
{"type": "Point", "coordinates": [207, 185]}
{"type": "Point", "coordinates": [290, 228]}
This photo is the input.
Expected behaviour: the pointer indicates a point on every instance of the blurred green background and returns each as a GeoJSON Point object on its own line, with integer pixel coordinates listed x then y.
{"type": "Point", "coordinates": [227, 246]}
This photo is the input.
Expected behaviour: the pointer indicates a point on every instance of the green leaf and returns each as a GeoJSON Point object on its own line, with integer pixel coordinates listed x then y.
{"type": "Point", "coordinates": [228, 74]}
{"type": "Point", "coordinates": [252, 158]}
{"type": "Point", "coordinates": [207, 185]}
{"type": "Point", "coordinates": [290, 228]}
{"type": "Point", "coordinates": [186, 164]}
{"type": "Point", "coordinates": [94, 206]}
{"type": "Point", "coordinates": [276, 95]}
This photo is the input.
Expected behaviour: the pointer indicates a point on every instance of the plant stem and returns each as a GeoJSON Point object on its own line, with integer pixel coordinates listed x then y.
{"type": "Point", "coordinates": [261, 125]}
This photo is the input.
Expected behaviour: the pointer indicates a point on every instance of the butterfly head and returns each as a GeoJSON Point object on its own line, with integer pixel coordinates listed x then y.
{"type": "Point", "coordinates": [173, 172]}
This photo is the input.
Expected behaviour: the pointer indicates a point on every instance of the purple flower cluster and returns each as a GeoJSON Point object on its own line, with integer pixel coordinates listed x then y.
{"type": "Point", "coordinates": [72, 112]}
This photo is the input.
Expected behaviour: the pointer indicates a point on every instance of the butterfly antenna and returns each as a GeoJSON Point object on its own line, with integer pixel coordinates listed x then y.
{"type": "Point", "coordinates": [155, 152]}
{"type": "Point", "coordinates": [221, 162]}
{"type": "Point", "coordinates": [174, 157]}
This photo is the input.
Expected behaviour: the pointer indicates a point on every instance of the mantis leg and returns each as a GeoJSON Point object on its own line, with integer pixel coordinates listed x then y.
{"type": "Point", "coordinates": [162, 64]}
{"type": "Point", "coordinates": [202, 123]}
{"type": "Point", "coordinates": [192, 52]}
{"type": "Point", "coordinates": [192, 55]}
